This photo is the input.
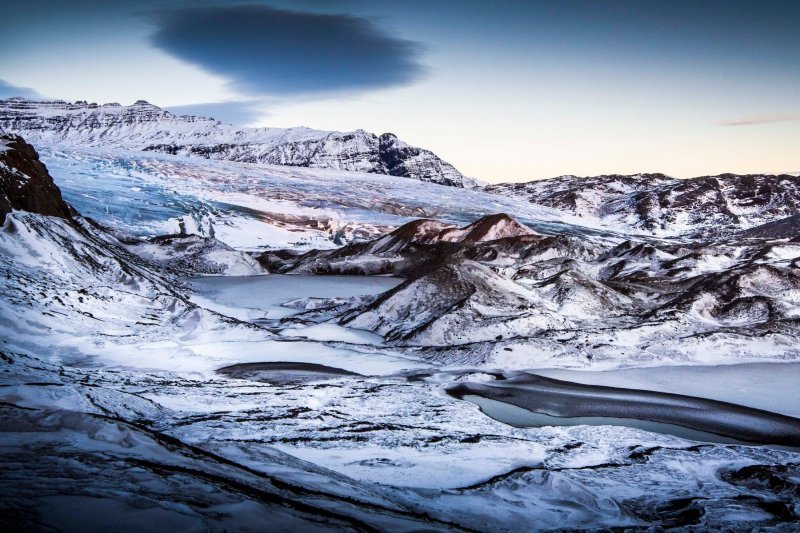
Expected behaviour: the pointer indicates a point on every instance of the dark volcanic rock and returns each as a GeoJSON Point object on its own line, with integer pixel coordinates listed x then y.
{"type": "Point", "coordinates": [786, 228]}
{"type": "Point", "coordinates": [419, 244]}
{"type": "Point", "coordinates": [25, 183]}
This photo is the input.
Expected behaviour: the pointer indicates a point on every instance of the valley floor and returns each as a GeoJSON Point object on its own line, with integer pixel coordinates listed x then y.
{"type": "Point", "coordinates": [151, 431]}
{"type": "Point", "coordinates": [130, 393]}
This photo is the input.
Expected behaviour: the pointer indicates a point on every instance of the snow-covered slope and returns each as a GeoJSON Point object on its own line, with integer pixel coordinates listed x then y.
{"type": "Point", "coordinates": [194, 254]}
{"type": "Point", "coordinates": [143, 126]}
{"type": "Point", "coordinates": [460, 302]}
{"type": "Point", "coordinates": [663, 206]}
{"type": "Point", "coordinates": [79, 451]}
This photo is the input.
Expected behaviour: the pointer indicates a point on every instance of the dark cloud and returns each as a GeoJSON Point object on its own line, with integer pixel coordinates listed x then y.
{"type": "Point", "coordinates": [238, 113]}
{"type": "Point", "coordinates": [7, 91]}
{"type": "Point", "coordinates": [264, 50]}
{"type": "Point", "coordinates": [761, 119]}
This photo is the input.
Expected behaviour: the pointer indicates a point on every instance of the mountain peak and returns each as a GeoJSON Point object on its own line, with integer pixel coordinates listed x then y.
{"type": "Point", "coordinates": [488, 228]}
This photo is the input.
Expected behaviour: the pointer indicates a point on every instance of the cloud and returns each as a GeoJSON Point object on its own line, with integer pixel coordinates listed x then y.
{"type": "Point", "coordinates": [268, 51]}
{"type": "Point", "coordinates": [761, 119]}
{"type": "Point", "coordinates": [239, 113]}
{"type": "Point", "coordinates": [7, 91]}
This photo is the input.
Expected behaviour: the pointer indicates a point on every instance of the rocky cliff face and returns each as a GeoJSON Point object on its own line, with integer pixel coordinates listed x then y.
{"type": "Point", "coordinates": [665, 206]}
{"type": "Point", "coordinates": [25, 184]}
{"type": "Point", "coordinates": [143, 126]}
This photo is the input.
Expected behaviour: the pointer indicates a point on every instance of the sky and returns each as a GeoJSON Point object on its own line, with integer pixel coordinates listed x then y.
{"type": "Point", "coordinates": [504, 90]}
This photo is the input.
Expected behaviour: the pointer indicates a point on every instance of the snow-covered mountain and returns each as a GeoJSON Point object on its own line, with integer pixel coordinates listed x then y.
{"type": "Point", "coordinates": [143, 126]}
{"type": "Point", "coordinates": [78, 449]}
{"type": "Point", "coordinates": [664, 206]}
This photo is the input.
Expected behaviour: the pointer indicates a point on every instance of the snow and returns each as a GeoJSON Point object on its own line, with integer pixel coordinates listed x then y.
{"type": "Point", "coordinates": [197, 255]}
{"type": "Point", "coordinates": [375, 438]}
{"type": "Point", "coordinates": [143, 126]}
{"type": "Point", "coordinates": [334, 332]}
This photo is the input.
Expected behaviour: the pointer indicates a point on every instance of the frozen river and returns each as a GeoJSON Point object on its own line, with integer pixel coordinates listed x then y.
{"type": "Point", "coordinates": [769, 386]}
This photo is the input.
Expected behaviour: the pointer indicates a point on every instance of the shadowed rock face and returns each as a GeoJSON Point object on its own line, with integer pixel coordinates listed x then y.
{"type": "Point", "coordinates": [786, 228]}
{"type": "Point", "coordinates": [25, 183]}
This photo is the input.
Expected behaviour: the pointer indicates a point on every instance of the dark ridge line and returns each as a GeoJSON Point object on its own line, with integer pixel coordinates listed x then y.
{"type": "Point", "coordinates": [645, 457]}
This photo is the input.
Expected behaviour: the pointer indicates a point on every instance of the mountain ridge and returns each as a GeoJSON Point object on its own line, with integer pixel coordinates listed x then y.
{"type": "Point", "coordinates": [665, 206]}
{"type": "Point", "coordinates": [146, 127]}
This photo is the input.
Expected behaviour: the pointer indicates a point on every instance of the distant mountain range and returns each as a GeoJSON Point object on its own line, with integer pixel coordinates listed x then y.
{"type": "Point", "coordinates": [652, 204]}
{"type": "Point", "coordinates": [144, 126]}
{"type": "Point", "coordinates": [664, 206]}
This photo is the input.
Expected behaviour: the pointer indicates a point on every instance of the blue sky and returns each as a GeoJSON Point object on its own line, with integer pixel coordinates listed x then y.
{"type": "Point", "coordinates": [505, 90]}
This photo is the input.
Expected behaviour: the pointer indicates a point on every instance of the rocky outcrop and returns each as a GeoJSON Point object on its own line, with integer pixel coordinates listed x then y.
{"type": "Point", "coordinates": [143, 126]}
{"type": "Point", "coordinates": [459, 302]}
{"type": "Point", "coordinates": [495, 291]}
{"type": "Point", "coordinates": [25, 184]}
{"type": "Point", "coordinates": [399, 159]}
{"type": "Point", "coordinates": [785, 228]}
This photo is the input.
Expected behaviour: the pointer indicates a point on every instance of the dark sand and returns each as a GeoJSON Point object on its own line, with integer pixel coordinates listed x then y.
{"type": "Point", "coordinates": [566, 399]}
{"type": "Point", "coordinates": [281, 373]}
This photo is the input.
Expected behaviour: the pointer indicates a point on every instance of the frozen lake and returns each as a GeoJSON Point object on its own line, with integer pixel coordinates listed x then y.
{"type": "Point", "coordinates": [523, 418]}
{"type": "Point", "coordinates": [275, 289]}
{"type": "Point", "coordinates": [260, 297]}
